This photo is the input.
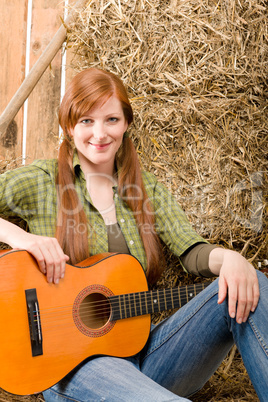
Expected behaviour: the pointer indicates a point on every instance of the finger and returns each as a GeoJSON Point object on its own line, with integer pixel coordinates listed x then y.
{"type": "Point", "coordinates": [249, 303]}
{"type": "Point", "coordinates": [222, 290]}
{"type": "Point", "coordinates": [60, 262]}
{"type": "Point", "coordinates": [232, 301]}
{"type": "Point", "coordinates": [49, 267]}
{"type": "Point", "coordinates": [256, 295]}
{"type": "Point", "coordinates": [39, 257]}
{"type": "Point", "coordinates": [244, 297]}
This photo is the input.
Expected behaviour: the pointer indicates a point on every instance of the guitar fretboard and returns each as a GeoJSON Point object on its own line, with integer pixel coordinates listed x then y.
{"type": "Point", "coordinates": [154, 301]}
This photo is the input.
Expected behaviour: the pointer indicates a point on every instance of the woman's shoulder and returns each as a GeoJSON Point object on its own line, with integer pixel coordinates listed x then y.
{"type": "Point", "coordinates": [39, 167]}
{"type": "Point", "coordinates": [47, 165]}
{"type": "Point", "coordinates": [149, 178]}
{"type": "Point", "coordinates": [151, 182]}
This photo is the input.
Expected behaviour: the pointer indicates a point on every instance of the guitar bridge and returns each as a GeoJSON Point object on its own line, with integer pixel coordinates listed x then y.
{"type": "Point", "coordinates": [34, 322]}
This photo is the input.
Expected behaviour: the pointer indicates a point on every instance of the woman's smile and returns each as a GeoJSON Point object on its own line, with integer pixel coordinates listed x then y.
{"type": "Point", "coordinates": [100, 147]}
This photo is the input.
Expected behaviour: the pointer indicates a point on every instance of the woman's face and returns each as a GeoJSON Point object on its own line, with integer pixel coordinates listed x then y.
{"type": "Point", "coordinates": [98, 135]}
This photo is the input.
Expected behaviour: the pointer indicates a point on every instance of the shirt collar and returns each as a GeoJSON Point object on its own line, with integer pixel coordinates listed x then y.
{"type": "Point", "coordinates": [76, 161]}
{"type": "Point", "coordinates": [78, 169]}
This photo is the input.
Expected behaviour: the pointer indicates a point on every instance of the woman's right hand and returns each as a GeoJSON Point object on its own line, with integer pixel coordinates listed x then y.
{"type": "Point", "coordinates": [48, 254]}
{"type": "Point", "coordinates": [46, 250]}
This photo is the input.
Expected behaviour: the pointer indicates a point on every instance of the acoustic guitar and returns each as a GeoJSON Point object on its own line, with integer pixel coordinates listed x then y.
{"type": "Point", "coordinates": [101, 307]}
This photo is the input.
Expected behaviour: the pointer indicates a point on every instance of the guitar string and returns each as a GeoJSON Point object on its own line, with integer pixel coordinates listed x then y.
{"type": "Point", "coordinates": [130, 298]}
{"type": "Point", "coordinates": [128, 306]}
{"type": "Point", "coordinates": [146, 296]}
{"type": "Point", "coordinates": [105, 320]}
{"type": "Point", "coordinates": [60, 320]}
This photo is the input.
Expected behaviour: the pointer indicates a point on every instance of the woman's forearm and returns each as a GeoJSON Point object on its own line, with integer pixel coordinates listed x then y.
{"type": "Point", "coordinates": [10, 233]}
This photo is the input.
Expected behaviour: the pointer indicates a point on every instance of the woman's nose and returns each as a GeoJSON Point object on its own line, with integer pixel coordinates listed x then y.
{"type": "Point", "coordinates": [99, 131]}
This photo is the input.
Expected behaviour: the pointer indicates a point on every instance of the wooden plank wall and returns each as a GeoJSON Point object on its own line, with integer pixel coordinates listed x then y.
{"type": "Point", "coordinates": [42, 126]}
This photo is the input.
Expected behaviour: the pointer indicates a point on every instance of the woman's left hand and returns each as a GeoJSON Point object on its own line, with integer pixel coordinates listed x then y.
{"type": "Point", "coordinates": [238, 280]}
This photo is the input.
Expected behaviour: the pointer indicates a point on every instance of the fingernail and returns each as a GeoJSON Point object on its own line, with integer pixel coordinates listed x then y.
{"type": "Point", "coordinates": [56, 281]}
{"type": "Point", "coordinates": [239, 320]}
{"type": "Point", "coordinates": [49, 280]}
{"type": "Point", "coordinates": [62, 276]}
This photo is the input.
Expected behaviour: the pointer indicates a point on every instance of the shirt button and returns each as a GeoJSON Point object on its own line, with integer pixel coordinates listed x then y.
{"type": "Point", "coordinates": [122, 220]}
{"type": "Point", "coordinates": [131, 242]}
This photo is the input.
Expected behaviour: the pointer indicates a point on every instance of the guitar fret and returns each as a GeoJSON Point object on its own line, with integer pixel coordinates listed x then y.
{"type": "Point", "coordinates": [125, 307]}
{"type": "Point", "coordinates": [155, 301]}
{"type": "Point", "coordinates": [152, 302]}
{"type": "Point", "coordinates": [147, 302]}
{"type": "Point", "coordinates": [129, 306]}
{"type": "Point", "coordinates": [165, 300]}
{"type": "Point", "coordinates": [132, 305]}
{"type": "Point", "coordinates": [135, 304]}
{"type": "Point", "coordinates": [158, 300]}
{"type": "Point", "coordinates": [120, 308]}
{"type": "Point", "coordinates": [169, 299]}
{"type": "Point", "coordinates": [140, 304]}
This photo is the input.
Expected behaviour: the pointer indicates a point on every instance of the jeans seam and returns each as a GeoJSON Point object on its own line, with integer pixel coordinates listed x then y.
{"type": "Point", "coordinates": [258, 336]}
{"type": "Point", "coordinates": [189, 316]}
{"type": "Point", "coordinates": [64, 396]}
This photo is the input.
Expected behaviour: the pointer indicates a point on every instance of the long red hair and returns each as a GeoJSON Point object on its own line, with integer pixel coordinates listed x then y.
{"type": "Point", "coordinates": [88, 89]}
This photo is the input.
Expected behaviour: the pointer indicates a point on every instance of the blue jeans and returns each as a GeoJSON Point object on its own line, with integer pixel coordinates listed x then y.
{"type": "Point", "coordinates": [181, 354]}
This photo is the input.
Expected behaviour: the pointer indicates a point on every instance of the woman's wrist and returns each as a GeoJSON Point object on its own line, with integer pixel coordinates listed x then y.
{"type": "Point", "coordinates": [215, 260]}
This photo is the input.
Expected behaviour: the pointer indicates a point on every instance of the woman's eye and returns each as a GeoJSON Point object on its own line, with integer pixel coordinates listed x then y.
{"type": "Point", "coordinates": [86, 121]}
{"type": "Point", "coordinates": [113, 119]}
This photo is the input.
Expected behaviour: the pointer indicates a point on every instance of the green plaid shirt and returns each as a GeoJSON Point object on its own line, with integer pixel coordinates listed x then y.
{"type": "Point", "coordinates": [30, 193]}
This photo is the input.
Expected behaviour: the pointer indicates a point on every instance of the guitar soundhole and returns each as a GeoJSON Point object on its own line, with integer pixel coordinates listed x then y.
{"type": "Point", "coordinates": [94, 310]}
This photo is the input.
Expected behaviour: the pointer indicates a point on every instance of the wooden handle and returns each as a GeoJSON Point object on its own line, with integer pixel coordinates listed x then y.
{"type": "Point", "coordinates": [36, 72]}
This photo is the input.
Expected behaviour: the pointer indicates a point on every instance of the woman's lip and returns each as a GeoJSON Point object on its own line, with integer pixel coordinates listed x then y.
{"type": "Point", "coordinates": [100, 146]}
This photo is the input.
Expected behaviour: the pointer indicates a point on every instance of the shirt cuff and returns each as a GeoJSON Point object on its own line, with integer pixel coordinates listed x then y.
{"type": "Point", "coordinates": [195, 260]}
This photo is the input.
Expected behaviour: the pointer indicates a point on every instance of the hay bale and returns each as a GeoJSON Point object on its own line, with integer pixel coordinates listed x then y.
{"type": "Point", "coordinates": [196, 72]}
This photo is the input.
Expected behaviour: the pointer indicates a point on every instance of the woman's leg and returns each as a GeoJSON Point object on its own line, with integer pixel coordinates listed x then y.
{"type": "Point", "coordinates": [109, 379]}
{"type": "Point", "coordinates": [181, 355]}
{"type": "Point", "coordinates": [186, 349]}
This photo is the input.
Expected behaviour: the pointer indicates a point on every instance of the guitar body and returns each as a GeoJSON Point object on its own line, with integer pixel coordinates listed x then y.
{"type": "Point", "coordinates": [66, 336]}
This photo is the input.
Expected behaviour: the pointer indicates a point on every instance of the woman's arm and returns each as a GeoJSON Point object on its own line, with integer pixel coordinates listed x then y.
{"type": "Point", "coordinates": [237, 277]}
{"type": "Point", "coordinates": [46, 250]}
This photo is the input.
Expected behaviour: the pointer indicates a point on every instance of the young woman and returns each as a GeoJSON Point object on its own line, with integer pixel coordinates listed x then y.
{"type": "Point", "coordinates": [95, 198]}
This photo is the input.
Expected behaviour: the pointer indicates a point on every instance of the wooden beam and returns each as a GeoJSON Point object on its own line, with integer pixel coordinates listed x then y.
{"type": "Point", "coordinates": [42, 124]}
{"type": "Point", "coordinates": [36, 72]}
{"type": "Point", "coordinates": [12, 71]}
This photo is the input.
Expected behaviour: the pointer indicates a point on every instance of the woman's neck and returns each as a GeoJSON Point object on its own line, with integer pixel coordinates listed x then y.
{"type": "Point", "coordinates": [100, 173]}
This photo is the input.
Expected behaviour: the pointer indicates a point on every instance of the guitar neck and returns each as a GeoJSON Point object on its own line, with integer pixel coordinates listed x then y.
{"type": "Point", "coordinates": [154, 301]}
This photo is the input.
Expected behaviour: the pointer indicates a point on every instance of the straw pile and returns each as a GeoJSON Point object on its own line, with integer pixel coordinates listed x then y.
{"type": "Point", "coordinates": [196, 73]}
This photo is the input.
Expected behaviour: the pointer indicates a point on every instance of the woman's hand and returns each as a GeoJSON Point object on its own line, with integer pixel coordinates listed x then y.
{"type": "Point", "coordinates": [48, 254]}
{"type": "Point", "coordinates": [238, 280]}
{"type": "Point", "coordinates": [46, 250]}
